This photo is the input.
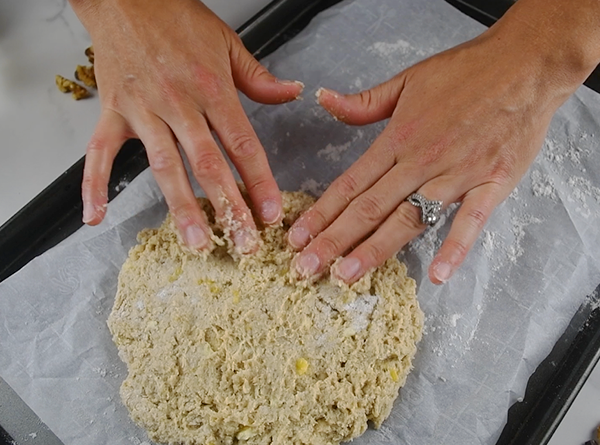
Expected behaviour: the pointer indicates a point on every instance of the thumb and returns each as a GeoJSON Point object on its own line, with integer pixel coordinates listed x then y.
{"type": "Point", "coordinates": [256, 82]}
{"type": "Point", "coordinates": [366, 107]}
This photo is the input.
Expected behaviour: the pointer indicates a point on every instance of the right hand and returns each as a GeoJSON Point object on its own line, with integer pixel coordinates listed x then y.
{"type": "Point", "coordinates": [168, 72]}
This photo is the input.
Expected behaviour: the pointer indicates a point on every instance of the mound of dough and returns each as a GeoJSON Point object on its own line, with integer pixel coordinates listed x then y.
{"type": "Point", "coordinates": [222, 351]}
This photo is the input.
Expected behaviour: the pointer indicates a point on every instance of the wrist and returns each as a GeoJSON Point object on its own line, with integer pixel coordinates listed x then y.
{"type": "Point", "coordinates": [84, 8]}
{"type": "Point", "coordinates": [91, 12]}
{"type": "Point", "coordinates": [558, 39]}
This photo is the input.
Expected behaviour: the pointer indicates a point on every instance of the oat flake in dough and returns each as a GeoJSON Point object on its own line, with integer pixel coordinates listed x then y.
{"type": "Point", "coordinates": [221, 351]}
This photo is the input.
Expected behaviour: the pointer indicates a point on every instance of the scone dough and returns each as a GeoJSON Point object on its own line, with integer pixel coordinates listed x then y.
{"type": "Point", "coordinates": [223, 351]}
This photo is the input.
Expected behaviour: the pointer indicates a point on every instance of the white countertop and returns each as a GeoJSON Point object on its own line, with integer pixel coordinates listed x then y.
{"type": "Point", "coordinates": [44, 132]}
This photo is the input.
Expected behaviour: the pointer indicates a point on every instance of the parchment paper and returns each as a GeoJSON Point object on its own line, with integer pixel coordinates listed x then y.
{"type": "Point", "coordinates": [486, 330]}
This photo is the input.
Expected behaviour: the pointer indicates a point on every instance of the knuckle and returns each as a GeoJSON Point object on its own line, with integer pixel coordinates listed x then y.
{"type": "Point", "coordinates": [162, 160]}
{"type": "Point", "coordinates": [408, 216]}
{"type": "Point", "coordinates": [369, 208]}
{"type": "Point", "coordinates": [476, 218]}
{"type": "Point", "coordinates": [346, 186]}
{"type": "Point", "coordinates": [314, 219]}
{"type": "Point", "coordinates": [96, 144]}
{"type": "Point", "coordinates": [367, 98]}
{"type": "Point", "coordinates": [111, 101]}
{"type": "Point", "coordinates": [243, 147]}
{"type": "Point", "coordinates": [169, 89]}
{"type": "Point", "coordinates": [329, 246]}
{"type": "Point", "coordinates": [236, 41]}
{"type": "Point", "coordinates": [89, 183]}
{"type": "Point", "coordinates": [401, 134]}
{"type": "Point", "coordinates": [260, 185]}
{"type": "Point", "coordinates": [503, 169]}
{"type": "Point", "coordinates": [458, 247]}
{"type": "Point", "coordinates": [255, 69]}
{"type": "Point", "coordinates": [183, 211]}
{"type": "Point", "coordinates": [374, 253]}
{"type": "Point", "coordinates": [210, 83]}
{"type": "Point", "coordinates": [207, 164]}
{"type": "Point", "coordinates": [433, 153]}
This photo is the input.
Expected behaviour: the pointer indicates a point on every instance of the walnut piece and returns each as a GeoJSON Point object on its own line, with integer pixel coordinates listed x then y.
{"type": "Point", "coordinates": [86, 75]}
{"type": "Point", "coordinates": [68, 86]}
{"type": "Point", "coordinates": [89, 52]}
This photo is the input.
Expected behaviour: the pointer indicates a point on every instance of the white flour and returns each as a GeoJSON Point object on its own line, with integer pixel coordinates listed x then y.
{"type": "Point", "coordinates": [360, 310]}
{"type": "Point", "coordinates": [498, 250]}
{"type": "Point", "coordinates": [387, 49]}
{"type": "Point", "coordinates": [489, 241]}
{"type": "Point", "coordinates": [557, 154]}
{"type": "Point", "coordinates": [121, 185]}
{"type": "Point", "coordinates": [519, 223]}
{"type": "Point", "coordinates": [583, 188]}
{"type": "Point", "coordinates": [313, 187]}
{"type": "Point", "coordinates": [542, 185]}
{"type": "Point", "coordinates": [333, 152]}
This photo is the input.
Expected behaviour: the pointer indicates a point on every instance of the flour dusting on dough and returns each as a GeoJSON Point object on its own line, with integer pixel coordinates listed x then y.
{"type": "Point", "coordinates": [228, 350]}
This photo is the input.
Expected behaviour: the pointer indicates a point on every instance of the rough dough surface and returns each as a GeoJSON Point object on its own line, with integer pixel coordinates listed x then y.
{"type": "Point", "coordinates": [222, 351]}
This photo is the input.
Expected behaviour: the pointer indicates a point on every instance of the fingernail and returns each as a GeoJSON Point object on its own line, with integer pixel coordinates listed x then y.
{"type": "Point", "coordinates": [195, 237]}
{"type": "Point", "coordinates": [291, 82]}
{"type": "Point", "coordinates": [442, 271]}
{"type": "Point", "coordinates": [88, 212]}
{"type": "Point", "coordinates": [307, 265]}
{"type": "Point", "coordinates": [322, 90]}
{"type": "Point", "coordinates": [241, 238]}
{"type": "Point", "coordinates": [298, 237]}
{"type": "Point", "coordinates": [270, 211]}
{"type": "Point", "coordinates": [347, 268]}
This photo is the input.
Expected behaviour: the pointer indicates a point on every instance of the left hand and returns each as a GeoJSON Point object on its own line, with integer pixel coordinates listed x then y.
{"type": "Point", "coordinates": [465, 126]}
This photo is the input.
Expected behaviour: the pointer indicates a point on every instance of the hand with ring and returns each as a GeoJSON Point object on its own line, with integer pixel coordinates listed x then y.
{"type": "Point", "coordinates": [465, 126]}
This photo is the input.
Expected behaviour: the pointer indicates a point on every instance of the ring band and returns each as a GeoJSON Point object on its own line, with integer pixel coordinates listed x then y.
{"type": "Point", "coordinates": [430, 210]}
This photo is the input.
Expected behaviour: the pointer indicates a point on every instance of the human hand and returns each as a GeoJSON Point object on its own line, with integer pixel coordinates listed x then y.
{"type": "Point", "coordinates": [465, 125]}
{"type": "Point", "coordinates": [167, 72]}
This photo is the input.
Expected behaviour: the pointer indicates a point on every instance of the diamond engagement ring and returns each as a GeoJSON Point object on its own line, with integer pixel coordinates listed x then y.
{"type": "Point", "coordinates": [430, 210]}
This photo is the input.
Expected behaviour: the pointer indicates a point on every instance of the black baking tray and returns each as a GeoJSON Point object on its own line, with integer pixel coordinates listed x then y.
{"type": "Point", "coordinates": [56, 213]}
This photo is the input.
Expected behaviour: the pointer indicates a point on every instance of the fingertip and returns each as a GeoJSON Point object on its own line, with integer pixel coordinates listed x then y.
{"type": "Point", "coordinates": [307, 264]}
{"type": "Point", "coordinates": [298, 237]}
{"type": "Point", "coordinates": [296, 87]}
{"type": "Point", "coordinates": [271, 212]}
{"type": "Point", "coordinates": [331, 101]}
{"type": "Point", "coordinates": [347, 269]}
{"type": "Point", "coordinates": [256, 82]}
{"type": "Point", "coordinates": [236, 219]}
{"type": "Point", "coordinates": [195, 237]}
{"type": "Point", "coordinates": [440, 271]}
{"type": "Point", "coordinates": [326, 97]}
{"type": "Point", "coordinates": [270, 90]}
{"type": "Point", "coordinates": [93, 214]}
{"type": "Point", "coordinates": [367, 106]}
{"type": "Point", "coordinates": [246, 241]}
